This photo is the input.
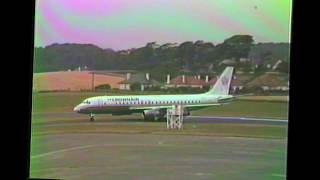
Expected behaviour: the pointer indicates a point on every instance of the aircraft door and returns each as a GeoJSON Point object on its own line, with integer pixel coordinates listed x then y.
{"type": "Point", "coordinates": [100, 102]}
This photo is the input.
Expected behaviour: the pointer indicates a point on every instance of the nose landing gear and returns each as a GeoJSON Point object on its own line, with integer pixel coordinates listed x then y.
{"type": "Point", "coordinates": [91, 117]}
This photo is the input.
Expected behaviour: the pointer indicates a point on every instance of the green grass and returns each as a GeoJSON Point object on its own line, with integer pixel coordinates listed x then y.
{"type": "Point", "coordinates": [59, 102]}
{"type": "Point", "coordinates": [260, 107]}
{"type": "Point", "coordinates": [242, 108]}
{"type": "Point", "coordinates": [51, 103]}
{"type": "Point", "coordinates": [266, 98]}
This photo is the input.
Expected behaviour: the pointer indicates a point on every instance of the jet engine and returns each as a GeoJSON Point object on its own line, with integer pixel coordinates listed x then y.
{"type": "Point", "coordinates": [157, 114]}
{"type": "Point", "coordinates": [154, 114]}
{"type": "Point", "coordinates": [186, 112]}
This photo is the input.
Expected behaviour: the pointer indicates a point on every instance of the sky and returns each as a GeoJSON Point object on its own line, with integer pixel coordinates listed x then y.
{"type": "Point", "coordinates": [125, 24]}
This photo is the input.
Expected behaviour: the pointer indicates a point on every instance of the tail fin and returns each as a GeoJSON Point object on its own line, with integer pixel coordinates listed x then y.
{"type": "Point", "coordinates": [222, 85]}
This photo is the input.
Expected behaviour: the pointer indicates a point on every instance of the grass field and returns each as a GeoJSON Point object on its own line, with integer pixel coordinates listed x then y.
{"type": "Point", "coordinates": [47, 105]}
{"type": "Point", "coordinates": [74, 80]}
{"type": "Point", "coordinates": [245, 108]}
{"type": "Point", "coordinates": [254, 106]}
{"type": "Point", "coordinates": [266, 98]}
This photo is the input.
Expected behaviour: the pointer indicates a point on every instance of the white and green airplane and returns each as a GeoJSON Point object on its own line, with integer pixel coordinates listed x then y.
{"type": "Point", "coordinates": [154, 107]}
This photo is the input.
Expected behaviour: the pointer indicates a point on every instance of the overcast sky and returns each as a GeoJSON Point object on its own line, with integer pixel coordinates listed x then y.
{"type": "Point", "coordinates": [124, 24]}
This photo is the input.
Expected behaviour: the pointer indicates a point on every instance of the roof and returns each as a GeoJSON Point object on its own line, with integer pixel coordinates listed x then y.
{"type": "Point", "coordinates": [244, 77]}
{"type": "Point", "coordinates": [212, 81]}
{"type": "Point", "coordinates": [271, 80]}
{"type": "Point", "coordinates": [228, 61]}
{"type": "Point", "coordinates": [237, 82]}
{"type": "Point", "coordinates": [138, 79]}
{"type": "Point", "coordinates": [234, 82]}
{"type": "Point", "coordinates": [189, 80]}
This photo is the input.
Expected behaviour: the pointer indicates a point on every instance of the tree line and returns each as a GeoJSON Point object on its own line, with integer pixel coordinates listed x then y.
{"type": "Point", "coordinates": [187, 57]}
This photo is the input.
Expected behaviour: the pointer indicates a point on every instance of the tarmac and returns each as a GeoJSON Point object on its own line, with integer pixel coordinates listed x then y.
{"type": "Point", "coordinates": [154, 156]}
{"type": "Point", "coordinates": [148, 156]}
{"type": "Point", "coordinates": [188, 119]}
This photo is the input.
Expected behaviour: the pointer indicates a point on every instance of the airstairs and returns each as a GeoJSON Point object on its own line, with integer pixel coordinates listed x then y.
{"type": "Point", "coordinates": [175, 117]}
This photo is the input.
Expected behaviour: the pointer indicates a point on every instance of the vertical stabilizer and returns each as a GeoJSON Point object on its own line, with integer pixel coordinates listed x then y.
{"type": "Point", "coordinates": [222, 85]}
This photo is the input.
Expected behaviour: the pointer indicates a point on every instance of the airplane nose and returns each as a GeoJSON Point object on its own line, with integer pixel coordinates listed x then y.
{"type": "Point", "coordinates": [76, 109]}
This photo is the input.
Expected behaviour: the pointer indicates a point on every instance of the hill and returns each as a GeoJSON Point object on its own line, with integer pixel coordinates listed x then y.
{"type": "Point", "coordinates": [72, 81]}
{"type": "Point", "coordinates": [269, 52]}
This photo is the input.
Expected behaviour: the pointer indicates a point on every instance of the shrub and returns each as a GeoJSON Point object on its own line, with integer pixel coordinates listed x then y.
{"type": "Point", "coordinates": [103, 87]}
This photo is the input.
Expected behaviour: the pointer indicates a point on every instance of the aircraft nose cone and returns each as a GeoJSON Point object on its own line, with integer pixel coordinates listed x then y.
{"type": "Point", "coordinates": [76, 109]}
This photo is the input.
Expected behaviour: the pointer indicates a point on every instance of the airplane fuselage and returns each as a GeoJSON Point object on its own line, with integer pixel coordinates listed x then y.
{"type": "Point", "coordinates": [156, 106]}
{"type": "Point", "coordinates": [131, 104]}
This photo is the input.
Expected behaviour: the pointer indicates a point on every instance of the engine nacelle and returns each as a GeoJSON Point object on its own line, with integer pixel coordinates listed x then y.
{"type": "Point", "coordinates": [156, 114]}
{"type": "Point", "coordinates": [153, 114]}
{"type": "Point", "coordinates": [186, 112]}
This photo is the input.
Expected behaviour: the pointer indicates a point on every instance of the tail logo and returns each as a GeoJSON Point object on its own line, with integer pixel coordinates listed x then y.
{"type": "Point", "coordinates": [224, 81]}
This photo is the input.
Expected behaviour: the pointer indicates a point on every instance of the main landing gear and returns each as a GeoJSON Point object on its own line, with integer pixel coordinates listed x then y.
{"type": "Point", "coordinates": [91, 117]}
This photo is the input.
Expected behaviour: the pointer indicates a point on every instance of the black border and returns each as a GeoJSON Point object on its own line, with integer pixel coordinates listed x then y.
{"type": "Point", "coordinates": [24, 22]}
{"type": "Point", "coordinates": [20, 36]}
{"type": "Point", "coordinates": [302, 90]}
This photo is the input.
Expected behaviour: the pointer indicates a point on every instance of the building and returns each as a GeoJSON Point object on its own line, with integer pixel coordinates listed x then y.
{"type": "Point", "coordinates": [270, 81]}
{"type": "Point", "coordinates": [236, 84]}
{"type": "Point", "coordinates": [141, 79]}
{"type": "Point", "coordinates": [244, 60]}
{"type": "Point", "coordinates": [231, 61]}
{"type": "Point", "coordinates": [186, 81]}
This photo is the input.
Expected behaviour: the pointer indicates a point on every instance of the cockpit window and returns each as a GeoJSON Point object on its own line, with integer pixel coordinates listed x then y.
{"type": "Point", "coordinates": [86, 102]}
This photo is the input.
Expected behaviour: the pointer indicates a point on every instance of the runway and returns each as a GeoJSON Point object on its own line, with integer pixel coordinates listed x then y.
{"type": "Point", "coordinates": [236, 120]}
{"type": "Point", "coordinates": [69, 146]}
{"type": "Point", "coordinates": [188, 119]}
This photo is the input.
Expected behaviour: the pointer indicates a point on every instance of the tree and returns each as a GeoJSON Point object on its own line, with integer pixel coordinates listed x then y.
{"type": "Point", "coordinates": [135, 87]}
{"type": "Point", "coordinates": [185, 53]}
{"type": "Point", "coordinates": [103, 87]}
{"type": "Point", "coordinates": [237, 46]}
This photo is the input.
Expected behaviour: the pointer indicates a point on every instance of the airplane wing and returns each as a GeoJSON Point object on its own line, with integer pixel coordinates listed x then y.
{"type": "Point", "coordinates": [191, 106]}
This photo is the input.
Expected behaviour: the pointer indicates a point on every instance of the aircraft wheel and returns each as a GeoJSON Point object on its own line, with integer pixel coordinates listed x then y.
{"type": "Point", "coordinates": [91, 117]}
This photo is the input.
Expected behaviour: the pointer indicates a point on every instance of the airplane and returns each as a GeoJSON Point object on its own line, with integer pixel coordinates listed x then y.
{"type": "Point", "coordinates": [154, 107]}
